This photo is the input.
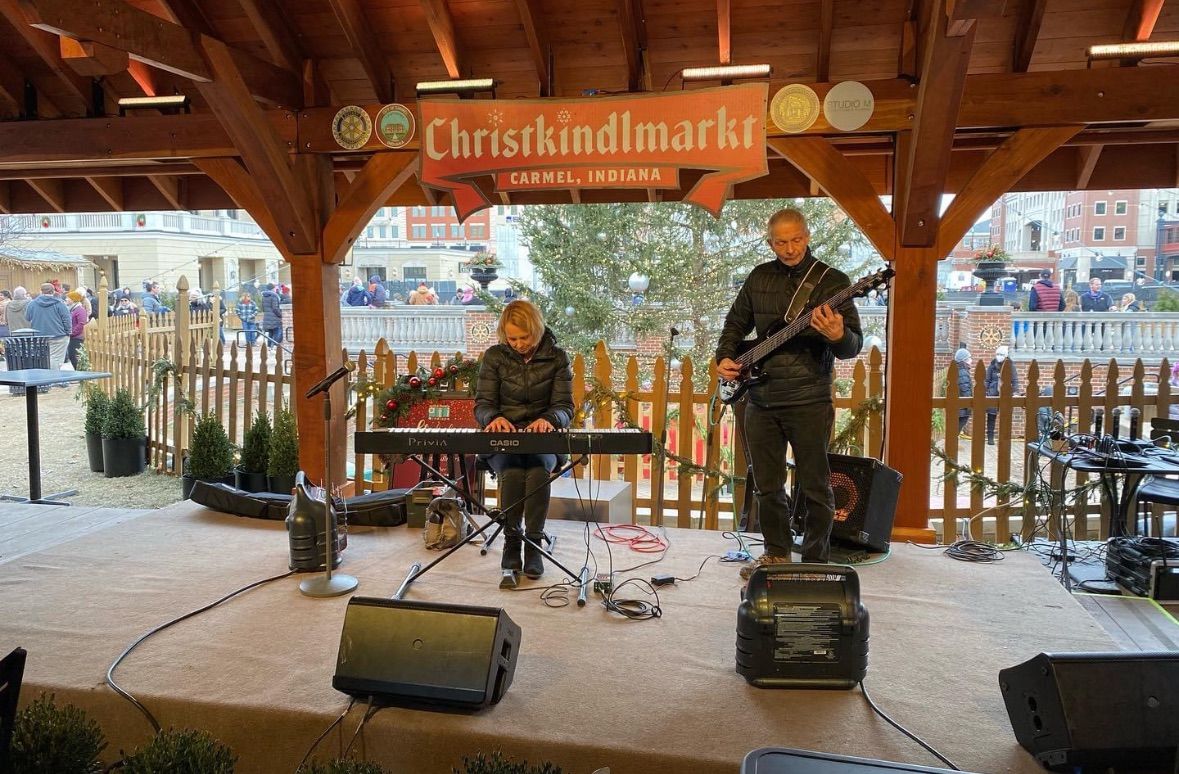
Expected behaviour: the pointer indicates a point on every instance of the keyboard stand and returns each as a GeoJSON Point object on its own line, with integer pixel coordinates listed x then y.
{"type": "Point", "coordinates": [496, 516]}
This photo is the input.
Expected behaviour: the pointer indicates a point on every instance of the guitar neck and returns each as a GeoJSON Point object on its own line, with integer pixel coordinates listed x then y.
{"type": "Point", "coordinates": [796, 326]}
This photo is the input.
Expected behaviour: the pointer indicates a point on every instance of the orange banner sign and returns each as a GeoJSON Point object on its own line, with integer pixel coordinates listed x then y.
{"type": "Point", "coordinates": [633, 141]}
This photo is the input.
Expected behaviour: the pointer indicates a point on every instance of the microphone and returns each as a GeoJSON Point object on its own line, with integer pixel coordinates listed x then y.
{"type": "Point", "coordinates": [1135, 415]}
{"type": "Point", "coordinates": [326, 382]}
{"type": "Point", "coordinates": [674, 331]}
{"type": "Point", "coordinates": [585, 581]}
{"type": "Point", "coordinates": [1097, 423]}
{"type": "Point", "coordinates": [1115, 422]}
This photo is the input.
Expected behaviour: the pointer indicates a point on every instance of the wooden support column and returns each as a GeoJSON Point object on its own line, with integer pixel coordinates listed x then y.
{"type": "Point", "coordinates": [908, 378]}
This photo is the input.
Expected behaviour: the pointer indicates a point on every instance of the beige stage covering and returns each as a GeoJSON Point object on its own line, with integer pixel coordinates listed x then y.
{"type": "Point", "coordinates": [591, 688]}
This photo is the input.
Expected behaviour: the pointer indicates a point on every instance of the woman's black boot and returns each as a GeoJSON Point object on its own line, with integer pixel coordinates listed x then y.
{"type": "Point", "coordinates": [533, 558]}
{"type": "Point", "coordinates": [511, 557]}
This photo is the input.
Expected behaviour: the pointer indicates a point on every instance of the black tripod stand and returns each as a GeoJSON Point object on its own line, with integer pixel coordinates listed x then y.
{"type": "Point", "coordinates": [496, 516]}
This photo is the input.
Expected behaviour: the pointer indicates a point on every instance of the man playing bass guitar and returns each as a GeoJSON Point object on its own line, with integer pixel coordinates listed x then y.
{"type": "Point", "coordinates": [791, 402]}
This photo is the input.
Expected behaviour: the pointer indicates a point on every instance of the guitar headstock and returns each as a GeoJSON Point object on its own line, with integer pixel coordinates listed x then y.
{"type": "Point", "coordinates": [877, 281]}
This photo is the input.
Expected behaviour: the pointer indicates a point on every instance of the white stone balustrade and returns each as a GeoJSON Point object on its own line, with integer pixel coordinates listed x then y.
{"type": "Point", "coordinates": [1101, 334]}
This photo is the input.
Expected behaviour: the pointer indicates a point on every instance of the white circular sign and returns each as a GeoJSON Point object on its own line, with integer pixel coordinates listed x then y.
{"type": "Point", "coordinates": [848, 105]}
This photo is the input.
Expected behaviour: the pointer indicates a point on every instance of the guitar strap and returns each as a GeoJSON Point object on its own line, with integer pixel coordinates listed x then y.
{"type": "Point", "coordinates": [805, 289]}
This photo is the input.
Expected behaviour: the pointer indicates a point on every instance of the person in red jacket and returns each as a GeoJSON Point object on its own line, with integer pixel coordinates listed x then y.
{"type": "Point", "coordinates": [1046, 296]}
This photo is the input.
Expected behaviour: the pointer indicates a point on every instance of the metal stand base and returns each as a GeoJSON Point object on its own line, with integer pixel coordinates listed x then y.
{"type": "Point", "coordinates": [321, 586]}
{"type": "Point", "coordinates": [50, 500]}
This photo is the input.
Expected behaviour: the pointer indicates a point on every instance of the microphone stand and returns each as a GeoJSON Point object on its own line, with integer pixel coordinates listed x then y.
{"type": "Point", "coordinates": [328, 585]}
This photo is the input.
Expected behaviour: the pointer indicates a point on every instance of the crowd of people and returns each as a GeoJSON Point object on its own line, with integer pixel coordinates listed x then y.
{"type": "Point", "coordinates": [57, 312]}
{"type": "Point", "coordinates": [1048, 296]}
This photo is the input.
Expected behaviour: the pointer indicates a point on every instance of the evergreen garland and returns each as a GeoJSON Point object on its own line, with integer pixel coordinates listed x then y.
{"type": "Point", "coordinates": [391, 404]}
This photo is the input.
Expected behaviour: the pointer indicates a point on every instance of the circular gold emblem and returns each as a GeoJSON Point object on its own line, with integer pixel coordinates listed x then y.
{"type": "Point", "coordinates": [395, 126]}
{"type": "Point", "coordinates": [794, 108]}
{"type": "Point", "coordinates": [991, 336]}
{"type": "Point", "coordinates": [352, 127]}
{"type": "Point", "coordinates": [480, 332]}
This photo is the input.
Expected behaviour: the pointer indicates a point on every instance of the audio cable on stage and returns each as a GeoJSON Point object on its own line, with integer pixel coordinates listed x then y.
{"type": "Point", "coordinates": [110, 673]}
{"type": "Point", "coordinates": [905, 731]}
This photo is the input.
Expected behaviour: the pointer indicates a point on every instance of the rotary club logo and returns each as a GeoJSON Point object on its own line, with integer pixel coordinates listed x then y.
{"type": "Point", "coordinates": [352, 127]}
{"type": "Point", "coordinates": [794, 108]}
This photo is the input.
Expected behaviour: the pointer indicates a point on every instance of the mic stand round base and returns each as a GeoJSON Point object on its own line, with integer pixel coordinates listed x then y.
{"type": "Point", "coordinates": [322, 586]}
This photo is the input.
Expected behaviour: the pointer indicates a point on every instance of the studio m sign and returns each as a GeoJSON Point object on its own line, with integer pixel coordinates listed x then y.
{"type": "Point", "coordinates": [632, 141]}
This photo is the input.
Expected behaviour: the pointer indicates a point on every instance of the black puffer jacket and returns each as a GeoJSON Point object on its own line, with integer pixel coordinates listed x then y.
{"type": "Point", "coordinates": [800, 373]}
{"type": "Point", "coordinates": [523, 392]}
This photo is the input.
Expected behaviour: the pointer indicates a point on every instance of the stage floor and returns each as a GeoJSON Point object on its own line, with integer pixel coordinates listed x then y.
{"type": "Point", "coordinates": [591, 689]}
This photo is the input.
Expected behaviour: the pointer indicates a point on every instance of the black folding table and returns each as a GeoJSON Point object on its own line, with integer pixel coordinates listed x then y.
{"type": "Point", "coordinates": [31, 379]}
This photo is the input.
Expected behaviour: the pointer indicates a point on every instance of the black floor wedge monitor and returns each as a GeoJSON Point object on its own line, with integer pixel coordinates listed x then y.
{"type": "Point", "coordinates": [409, 653]}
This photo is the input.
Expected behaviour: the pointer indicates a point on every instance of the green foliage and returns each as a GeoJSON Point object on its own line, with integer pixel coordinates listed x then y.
{"type": "Point", "coordinates": [256, 444]}
{"type": "Point", "coordinates": [284, 445]}
{"type": "Point", "coordinates": [98, 404]}
{"type": "Point", "coordinates": [123, 418]}
{"type": "Point", "coordinates": [343, 766]}
{"type": "Point", "coordinates": [181, 751]}
{"type": "Point", "coordinates": [62, 740]}
{"type": "Point", "coordinates": [1167, 301]}
{"type": "Point", "coordinates": [496, 763]}
{"type": "Point", "coordinates": [211, 454]}
{"type": "Point", "coordinates": [585, 254]}
{"type": "Point", "coordinates": [83, 358]}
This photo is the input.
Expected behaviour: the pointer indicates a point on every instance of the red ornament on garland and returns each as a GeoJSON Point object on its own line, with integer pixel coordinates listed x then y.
{"type": "Point", "coordinates": [439, 373]}
{"type": "Point", "coordinates": [453, 370]}
{"type": "Point", "coordinates": [391, 405]}
{"type": "Point", "coordinates": [384, 417]}
{"type": "Point", "coordinates": [415, 382]}
{"type": "Point", "coordinates": [432, 381]}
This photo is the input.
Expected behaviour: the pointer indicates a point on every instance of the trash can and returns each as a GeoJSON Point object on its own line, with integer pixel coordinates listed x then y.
{"type": "Point", "coordinates": [25, 348]}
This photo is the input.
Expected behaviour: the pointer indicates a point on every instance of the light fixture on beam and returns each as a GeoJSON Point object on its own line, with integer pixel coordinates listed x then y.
{"type": "Point", "coordinates": [726, 72]}
{"type": "Point", "coordinates": [170, 103]}
{"type": "Point", "coordinates": [1141, 50]}
{"type": "Point", "coordinates": [460, 86]}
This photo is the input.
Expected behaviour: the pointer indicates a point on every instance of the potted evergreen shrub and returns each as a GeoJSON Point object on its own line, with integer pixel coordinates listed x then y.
{"type": "Point", "coordinates": [251, 473]}
{"type": "Point", "coordinates": [63, 740]}
{"type": "Point", "coordinates": [181, 750]}
{"type": "Point", "coordinates": [124, 437]}
{"type": "Point", "coordinates": [97, 405]}
{"type": "Point", "coordinates": [284, 453]}
{"type": "Point", "coordinates": [210, 458]}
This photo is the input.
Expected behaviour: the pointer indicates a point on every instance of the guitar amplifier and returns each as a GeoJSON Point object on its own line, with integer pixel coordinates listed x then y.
{"type": "Point", "coordinates": [865, 492]}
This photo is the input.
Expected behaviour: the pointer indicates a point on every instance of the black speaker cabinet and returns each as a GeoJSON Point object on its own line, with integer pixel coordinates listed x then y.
{"type": "Point", "coordinates": [403, 652]}
{"type": "Point", "coordinates": [865, 492]}
{"type": "Point", "coordinates": [1096, 709]}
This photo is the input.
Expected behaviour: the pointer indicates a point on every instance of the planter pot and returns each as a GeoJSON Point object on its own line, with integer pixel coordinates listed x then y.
{"type": "Point", "coordinates": [281, 484]}
{"type": "Point", "coordinates": [988, 272]}
{"type": "Point", "coordinates": [485, 276]}
{"type": "Point", "coordinates": [94, 451]}
{"type": "Point", "coordinates": [123, 456]}
{"type": "Point", "coordinates": [187, 483]}
{"type": "Point", "coordinates": [250, 482]}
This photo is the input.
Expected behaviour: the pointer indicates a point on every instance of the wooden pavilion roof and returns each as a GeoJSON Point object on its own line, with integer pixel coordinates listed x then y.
{"type": "Point", "coordinates": [64, 64]}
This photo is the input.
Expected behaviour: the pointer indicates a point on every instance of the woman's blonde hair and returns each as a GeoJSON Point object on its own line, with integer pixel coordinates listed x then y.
{"type": "Point", "coordinates": [524, 315]}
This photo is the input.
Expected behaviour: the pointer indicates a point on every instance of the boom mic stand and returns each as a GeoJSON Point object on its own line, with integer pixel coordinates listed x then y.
{"type": "Point", "coordinates": [496, 516]}
{"type": "Point", "coordinates": [328, 585]}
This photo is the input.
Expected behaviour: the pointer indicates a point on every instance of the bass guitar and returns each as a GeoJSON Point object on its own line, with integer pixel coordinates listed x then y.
{"type": "Point", "coordinates": [750, 353]}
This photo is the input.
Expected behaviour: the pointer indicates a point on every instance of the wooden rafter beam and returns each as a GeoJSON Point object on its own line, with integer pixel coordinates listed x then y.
{"type": "Point", "coordinates": [381, 176]}
{"type": "Point", "coordinates": [724, 31]}
{"type": "Point", "coordinates": [1087, 158]}
{"type": "Point", "coordinates": [538, 43]}
{"type": "Point", "coordinates": [272, 27]}
{"type": "Point", "coordinates": [47, 51]}
{"type": "Point", "coordinates": [825, 165]}
{"type": "Point", "coordinates": [365, 46]}
{"type": "Point", "coordinates": [149, 39]}
{"type": "Point", "coordinates": [245, 193]}
{"type": "Point", "coordinates": [442, 28]}
{"type": "Point", "coordinates": [110, 189]}
{"type": "Point", "coordinates": [5, 197]}
{"type": "Point", "coordinates": [1027, 34]}
{"type": "Point", "coordinates": [633, 41]}
{"type": "Point", "coordinates": [12, 89]}
{"type": "Point", "coordinates": [90, 59]}
{"type": "Point", "coordinates": [52, 190]}
{"type": "Point", "coordinates": [925, 163]}
{"type": "Point", "coordinates": [261, 149]}
{"type": "Point", "coordinates": [1141, 20]}
{"type": "Point", "coordinates": [826, 26]}
{"type": "Point", "coordinates": [171, 188]}
{"type": "Point", "coordinates": [1002, 169]}
{"type": "Point", "coordinates": [188, 14]}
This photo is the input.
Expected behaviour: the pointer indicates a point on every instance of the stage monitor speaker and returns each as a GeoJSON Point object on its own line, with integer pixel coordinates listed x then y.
{"type": "Point", "coordinates": [865, 492]}
{"type": "Point", "coordinates": [802, 626]}
{"type": "Point", "coordinates": [409, 653]}
{"type": "Point", "coordinates": [1096, 709]}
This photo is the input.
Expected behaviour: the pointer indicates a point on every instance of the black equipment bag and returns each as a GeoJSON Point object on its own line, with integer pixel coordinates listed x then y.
{"type": "Point", "coordinates": [376, 509]}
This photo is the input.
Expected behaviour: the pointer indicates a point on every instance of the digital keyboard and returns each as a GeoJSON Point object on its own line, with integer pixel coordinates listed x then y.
{"type": "Point", "coordinates": [449, 440]}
